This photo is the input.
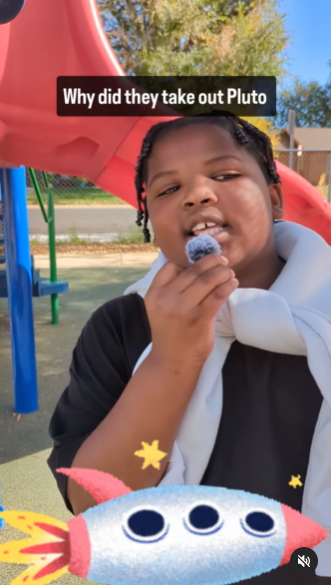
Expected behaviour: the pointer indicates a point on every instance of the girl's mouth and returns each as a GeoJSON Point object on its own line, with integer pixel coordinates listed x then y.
{"type": "Point", "coordinates": [207, 228]}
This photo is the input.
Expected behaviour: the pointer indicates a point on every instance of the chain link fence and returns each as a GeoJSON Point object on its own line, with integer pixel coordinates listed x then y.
{"type": "Point", "coordinates": [312, 165]}
{"type": "Point", "coordinates": [85, 213]}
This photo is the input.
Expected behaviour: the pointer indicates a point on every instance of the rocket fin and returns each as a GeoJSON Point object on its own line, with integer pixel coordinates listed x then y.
{"type": "Point", "coordinates": [102, 486]}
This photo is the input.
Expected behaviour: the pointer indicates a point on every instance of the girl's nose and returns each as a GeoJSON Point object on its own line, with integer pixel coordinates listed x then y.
{"type": "Point", "coordinates": [199, 194]}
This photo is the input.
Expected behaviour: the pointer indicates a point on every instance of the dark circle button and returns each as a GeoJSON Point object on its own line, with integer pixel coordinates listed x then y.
{"type": "Point", "coordinates": [304, 560]}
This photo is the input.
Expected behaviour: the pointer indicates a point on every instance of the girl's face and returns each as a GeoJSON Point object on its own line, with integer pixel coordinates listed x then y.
{"type": "Point", "coordinates": [198, 175]}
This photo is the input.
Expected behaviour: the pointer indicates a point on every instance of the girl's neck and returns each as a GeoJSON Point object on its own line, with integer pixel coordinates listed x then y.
{"type": "Point", "coordinates": [263, 275]}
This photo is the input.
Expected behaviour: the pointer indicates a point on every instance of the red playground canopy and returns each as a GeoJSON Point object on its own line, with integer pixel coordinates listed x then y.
{"type": "Point", "coordinates": [50, 38]}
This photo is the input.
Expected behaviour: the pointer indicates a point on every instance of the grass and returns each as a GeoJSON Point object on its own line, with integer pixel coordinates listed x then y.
{"type": "Point", "coordinates": [323, 190]}
{"type": "Point", "coordinates": [75, 239]}
{"type": "Point", "coordinates": [135, 237]}
{"type": "Point", "coordinates": [133, 242]}
{"type": "Point", "coordinates": [85, 196]}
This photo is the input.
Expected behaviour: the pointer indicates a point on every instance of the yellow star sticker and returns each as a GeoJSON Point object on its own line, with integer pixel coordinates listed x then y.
{"type": "Point", "coordinates": [151, 454]}
{"type": "Point", "coordinates": [295, 481]}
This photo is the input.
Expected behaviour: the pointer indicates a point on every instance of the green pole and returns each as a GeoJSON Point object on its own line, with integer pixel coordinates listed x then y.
{"type": "Point", "coordinates": [38, 193]}
{"type": "Point", "coordinates": [52, 249]}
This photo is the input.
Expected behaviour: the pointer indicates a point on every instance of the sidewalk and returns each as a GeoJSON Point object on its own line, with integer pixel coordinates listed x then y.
{"type": "Point", "coordinates": [26, 484]}
{"type": "Point", "coordinates": [97, 260]}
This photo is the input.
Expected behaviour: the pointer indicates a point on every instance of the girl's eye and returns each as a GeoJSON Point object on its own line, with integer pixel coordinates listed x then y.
{"type": "Point", "coordinates": [226, 177]}
{"type": "Point", "coordinates": [221, 178]}
{"type": "Point", "coordinates": [168, 191]}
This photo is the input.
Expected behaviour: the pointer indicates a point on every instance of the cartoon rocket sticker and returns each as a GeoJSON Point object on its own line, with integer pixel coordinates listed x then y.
{"type": "Point", "coordinates": [168, 534]}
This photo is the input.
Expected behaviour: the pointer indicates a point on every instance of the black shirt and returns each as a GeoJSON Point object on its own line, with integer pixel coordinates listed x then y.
{"type": "Point", "coordinates": [270, 408]}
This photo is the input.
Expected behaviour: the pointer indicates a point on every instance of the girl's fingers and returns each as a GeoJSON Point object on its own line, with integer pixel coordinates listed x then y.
{"type": "Point", "coordinates": [217, 297]}
{"type": "Point", "coordinates": [204, 285]}
{"type": "Point", "coordinates": [165, 275]}
{"type": "Point", "coordinates": [182, 278]}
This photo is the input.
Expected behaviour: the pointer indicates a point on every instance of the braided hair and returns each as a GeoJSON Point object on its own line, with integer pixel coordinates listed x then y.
{"type": "Point", "coordinates": [248, 136]}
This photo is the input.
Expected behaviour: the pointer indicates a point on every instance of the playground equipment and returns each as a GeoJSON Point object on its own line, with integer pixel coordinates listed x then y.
{"type": "Point", "coordinates": [304, 204]}
{"type": "Point", "coordinates": [103, 150]}
{"type": "Point", "coordinates": [40, 286]}
{"type": "Point", "coordinates": [53, 286]}
{"type": "Point", "coordinates": [20, 281]}
{"type": "Point", "coordinates": [19, 275]}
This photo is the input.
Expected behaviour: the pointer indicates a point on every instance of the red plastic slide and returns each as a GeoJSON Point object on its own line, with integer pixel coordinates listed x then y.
{"type": "Point", "coordinates": [50, 38]}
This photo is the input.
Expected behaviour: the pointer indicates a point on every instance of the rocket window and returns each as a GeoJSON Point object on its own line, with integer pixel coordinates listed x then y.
{"type": "Point", "coordinates": [146, 523]}
{"type": "Point", "coordinates": [145, 526]}
{"type": "Point", "coordinates": [259, 524]}
{"type": "Point", "coordinates": [203, 519]}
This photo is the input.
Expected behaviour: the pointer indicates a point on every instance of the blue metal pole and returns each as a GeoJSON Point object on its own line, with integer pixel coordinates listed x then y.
{"type": "Point", "coordinates": [19, 280]}
{"type": "Point", "coordinates": [1, 510]}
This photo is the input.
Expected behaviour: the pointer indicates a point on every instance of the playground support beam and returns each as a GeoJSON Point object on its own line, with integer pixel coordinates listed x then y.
{"type": "Point", "coordinates": [19, 282]}
{"type": "Point", "coordinates": [52, 248]}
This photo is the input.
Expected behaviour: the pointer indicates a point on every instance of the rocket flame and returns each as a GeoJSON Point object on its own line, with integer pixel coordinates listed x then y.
{"type": "Point", "coordinates": [47, 551]}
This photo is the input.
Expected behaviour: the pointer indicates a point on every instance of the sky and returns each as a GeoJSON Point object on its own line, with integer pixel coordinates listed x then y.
{"type": "Point", "coordinates": [309, 23]}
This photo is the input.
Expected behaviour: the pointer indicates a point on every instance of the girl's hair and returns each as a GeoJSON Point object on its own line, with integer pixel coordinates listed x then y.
{"type": "Point", "coordinates": [249, 137]}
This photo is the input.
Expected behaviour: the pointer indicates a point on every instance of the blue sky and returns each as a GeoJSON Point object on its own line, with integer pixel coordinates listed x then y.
{"type": "Point", "coordinates": [309, 22]}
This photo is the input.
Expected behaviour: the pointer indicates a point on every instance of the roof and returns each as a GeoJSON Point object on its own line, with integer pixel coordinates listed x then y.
{"type": "Point", "coordinates": [312, 138]}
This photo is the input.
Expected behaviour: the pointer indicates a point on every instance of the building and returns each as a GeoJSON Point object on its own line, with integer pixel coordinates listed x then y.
{"type": "Point", "coordinates": [311, 165]}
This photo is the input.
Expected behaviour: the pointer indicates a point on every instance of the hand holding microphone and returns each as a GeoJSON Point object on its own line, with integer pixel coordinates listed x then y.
{"type": "Point", "coordinates": [182, 304]}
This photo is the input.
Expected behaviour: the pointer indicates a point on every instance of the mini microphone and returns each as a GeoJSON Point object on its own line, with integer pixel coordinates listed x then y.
{"type": "Point", "coordinates": [200, 246]}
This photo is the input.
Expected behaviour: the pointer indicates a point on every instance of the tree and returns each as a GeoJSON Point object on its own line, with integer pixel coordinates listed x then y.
{"type": "Point", "coordinates": [196, 37]}
{"type": "Point", "coordinates": [266, 126]}
{"type": "Point", "coordinates": [311, 102]}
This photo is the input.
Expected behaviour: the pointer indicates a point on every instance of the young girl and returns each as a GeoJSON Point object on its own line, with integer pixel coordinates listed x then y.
{"type": "Point", "coordinates": [235, 385]}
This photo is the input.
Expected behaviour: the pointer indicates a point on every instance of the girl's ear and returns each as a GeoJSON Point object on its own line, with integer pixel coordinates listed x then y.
{"type": "Point", "coordinates": [276, 200]}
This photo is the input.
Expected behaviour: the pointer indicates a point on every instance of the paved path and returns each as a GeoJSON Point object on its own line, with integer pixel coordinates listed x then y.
{"type": "Point", "coordinates": [85, 220]}
{"type": "Point", "coordinates": [25, 481]}
{"type": "Point", "coordinates": [128, 259]}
